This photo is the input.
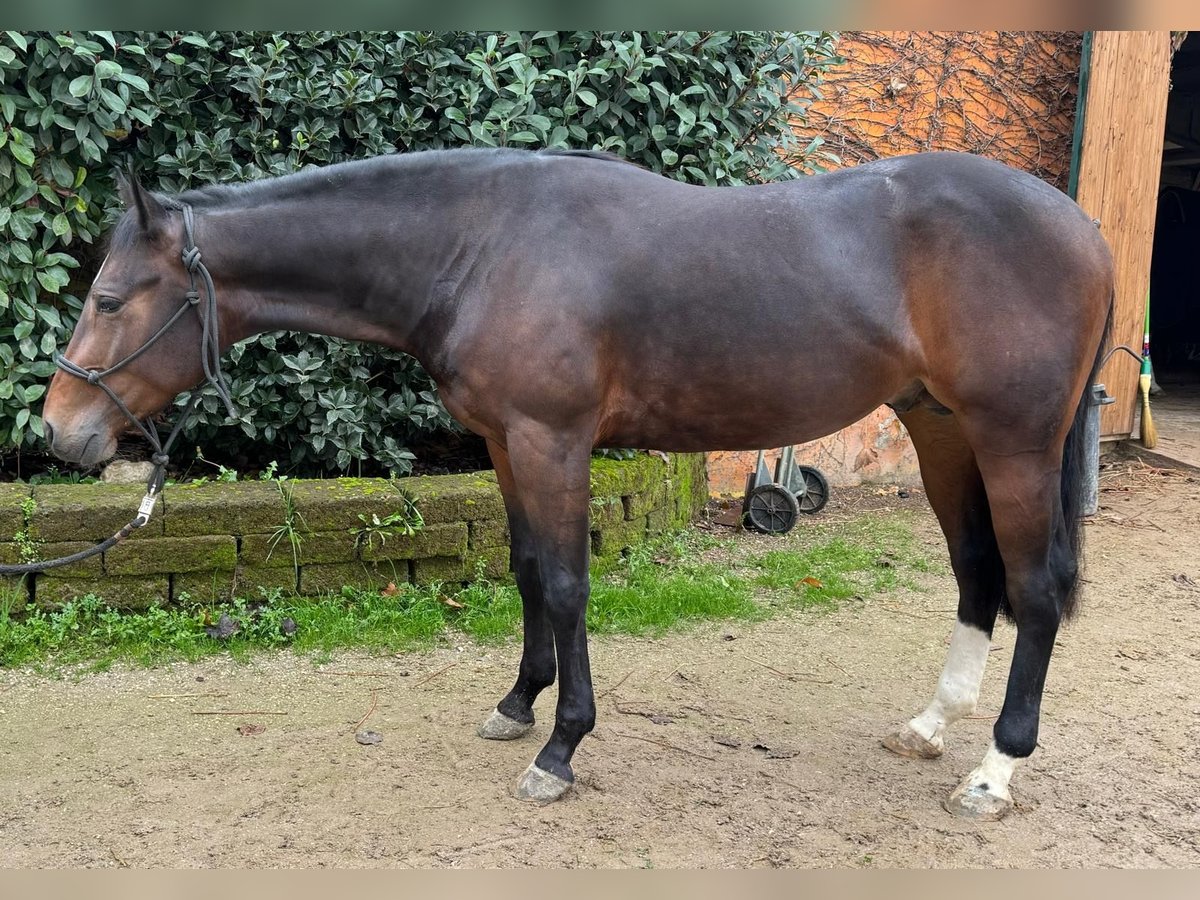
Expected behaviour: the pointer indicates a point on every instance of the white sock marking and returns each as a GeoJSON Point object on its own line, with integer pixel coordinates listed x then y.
{"type": "Point", "coordinates": [958, 688]}
{"type": "Point", "coordinates": [995, 771]}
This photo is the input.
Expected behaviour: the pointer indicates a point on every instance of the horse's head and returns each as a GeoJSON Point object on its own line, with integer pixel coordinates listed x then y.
{"type": "Point", "coordinates": [139, 288]}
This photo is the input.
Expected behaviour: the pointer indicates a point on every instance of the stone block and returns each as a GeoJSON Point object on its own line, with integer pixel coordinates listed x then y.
{"type": "Point", "coordinates": [251, 507]}
{"type": "Point", "coordinates": [658, 520]}
{"type": "Point", "coordinates": [12, 516]}
{"type": "Point", "coordinates": [489, 533]}
{"type": "Point", "coordinates": [92, 567]}
{"type": "Point", "coordinates": [320, 547]}
{"type": "Point", "coordinates": [202, 588]}
{"type": "Point", "coordinates": [250, 579]}
{"type": "Point", "coordinates": [173, 555]}
{"type": "Point", "coordinates": [606, 512]}
{"type": "Point", "coordinates": [620, 478]}
{"type": "Point", "coordinates": [441, 568]}
{"type": "Point", "coordinates": [612, 541]}
{"type": "Point", "coordinates": [330, 578]}
{"type": "Point", "coordinates": [455, 498]}
{"type": "Point", "coordinates": [491, 562]}
{"type": "Point", "coordinates": [122, 592]}
{"type": "Point", "coordinates": [432, 540]}
{"type": "Point", "coordinates": [89, 512]}
{"type": "Point", "coordinates": [335, 504]}
{"type": "Point", "coordinates": [656, 496]}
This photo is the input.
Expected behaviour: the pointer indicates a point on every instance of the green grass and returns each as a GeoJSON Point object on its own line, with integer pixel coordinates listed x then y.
{"type": "Point", "coordinates": [683, 579]}
{"type": "Point", "coordinates": [867, 557]}
{"type": "Point", "coordinates": [87, 630]}
{"type": "Point", "coordinates": [663, 585]}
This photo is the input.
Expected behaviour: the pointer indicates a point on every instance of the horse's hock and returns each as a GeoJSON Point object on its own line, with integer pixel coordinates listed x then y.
{"type": "Point", "coordinates": [210, 542]}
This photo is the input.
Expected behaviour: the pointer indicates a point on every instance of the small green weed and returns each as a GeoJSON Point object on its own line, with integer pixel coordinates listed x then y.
{"type": "Point", "coordinates": [289, 529]}
{"type": "Point", "coordinates": [224, 474]}
{"type": "Point", "coordinates": [406, 521]}
{"type": "Point", "coordinates": [26, 545]}
{"type": "Point", "coordinates": [12, 599]}
{"type": "Point", "coordinates": [53, 475]}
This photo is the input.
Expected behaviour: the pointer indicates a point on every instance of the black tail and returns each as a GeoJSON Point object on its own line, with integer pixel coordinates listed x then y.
{"type": "Point", "coordinates": [1075, 459]}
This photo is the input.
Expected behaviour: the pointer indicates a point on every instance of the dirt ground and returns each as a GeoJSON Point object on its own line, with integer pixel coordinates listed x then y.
{"type": "Point", "coordinates": [703, 756]}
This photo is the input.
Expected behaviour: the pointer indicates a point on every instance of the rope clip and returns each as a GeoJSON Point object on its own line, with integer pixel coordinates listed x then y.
{"type": "Point", "coordinates": [146, 508]}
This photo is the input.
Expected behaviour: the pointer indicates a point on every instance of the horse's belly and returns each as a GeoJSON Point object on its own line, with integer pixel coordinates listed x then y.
{"type": "Point", "coordinates": [739, 413]}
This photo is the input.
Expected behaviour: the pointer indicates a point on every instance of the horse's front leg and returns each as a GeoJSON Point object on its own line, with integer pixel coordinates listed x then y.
{"type": "Point", "coordinates": [550, 472]}
{"type": "Point", "coordinates": [513, 716]}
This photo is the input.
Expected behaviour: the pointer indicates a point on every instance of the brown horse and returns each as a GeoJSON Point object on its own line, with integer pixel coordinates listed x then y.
{"type": "Point", "coordinates": [567, 301]}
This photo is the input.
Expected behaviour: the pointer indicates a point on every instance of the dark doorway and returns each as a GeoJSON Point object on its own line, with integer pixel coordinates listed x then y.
{"type": "Point", "coordinates": [1175, 268]}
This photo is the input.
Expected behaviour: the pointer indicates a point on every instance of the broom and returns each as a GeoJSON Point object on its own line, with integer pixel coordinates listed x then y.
{"type": "Point", "coordinates": [1149, 432]}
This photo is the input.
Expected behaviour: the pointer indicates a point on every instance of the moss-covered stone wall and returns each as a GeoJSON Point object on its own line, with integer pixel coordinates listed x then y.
{"type": "Point", "coordinates": [209, 542]}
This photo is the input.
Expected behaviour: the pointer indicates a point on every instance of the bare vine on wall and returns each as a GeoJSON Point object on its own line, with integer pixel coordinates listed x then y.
{"type": "Point", "coordinates": [1007, 95]}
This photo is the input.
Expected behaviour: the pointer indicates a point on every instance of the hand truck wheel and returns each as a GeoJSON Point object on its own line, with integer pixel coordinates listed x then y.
{"type": "Point", "coordinates": [771, 509]}
{"type": "Point", "coordinates": [816, 491]}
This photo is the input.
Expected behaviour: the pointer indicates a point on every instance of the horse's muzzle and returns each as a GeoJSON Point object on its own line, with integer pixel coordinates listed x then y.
{"type": "Point", "coordinates": [86, 447]}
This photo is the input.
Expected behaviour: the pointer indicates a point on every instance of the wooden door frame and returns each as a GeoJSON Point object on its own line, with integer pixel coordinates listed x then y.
{"type": "Point", "coordinates": [1116, 167]}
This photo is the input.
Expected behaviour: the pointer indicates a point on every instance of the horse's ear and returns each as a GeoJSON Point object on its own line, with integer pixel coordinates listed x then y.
{"type": "Point", "coordinates": [150, 213]}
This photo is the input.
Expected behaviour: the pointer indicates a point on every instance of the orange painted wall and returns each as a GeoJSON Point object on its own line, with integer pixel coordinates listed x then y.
{"type": "Point", "coordinates": [1005, 95]}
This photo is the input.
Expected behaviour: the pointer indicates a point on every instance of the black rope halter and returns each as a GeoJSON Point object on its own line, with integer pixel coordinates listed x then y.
{"type": "Point", "coordinates": [210, 353]}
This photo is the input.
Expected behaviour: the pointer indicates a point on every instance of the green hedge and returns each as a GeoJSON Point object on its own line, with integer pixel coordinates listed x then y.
{"type": "Point", "coordinates": [188, 108]}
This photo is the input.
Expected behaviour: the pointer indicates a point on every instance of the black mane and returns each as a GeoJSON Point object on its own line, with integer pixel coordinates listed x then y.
{"type": "Point", "coordinates": [302, 183]}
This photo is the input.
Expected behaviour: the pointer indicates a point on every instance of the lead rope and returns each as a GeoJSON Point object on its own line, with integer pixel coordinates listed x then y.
{"type": "Point", "coordinates": [210, 355]}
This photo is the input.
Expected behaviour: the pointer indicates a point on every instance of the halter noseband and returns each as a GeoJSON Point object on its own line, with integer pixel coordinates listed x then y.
{"type": "Point", "coordinates": [210, 353]}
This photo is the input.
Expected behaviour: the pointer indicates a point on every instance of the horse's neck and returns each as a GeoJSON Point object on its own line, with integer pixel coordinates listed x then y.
{"type": "Point", "coordinates": [363, 273]}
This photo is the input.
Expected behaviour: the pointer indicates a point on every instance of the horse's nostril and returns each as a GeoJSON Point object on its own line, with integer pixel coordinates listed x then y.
{"type": "Point", "coordinates": [49, 433]}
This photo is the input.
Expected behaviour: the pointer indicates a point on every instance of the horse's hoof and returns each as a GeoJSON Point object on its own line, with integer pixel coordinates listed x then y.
{"type": "Point", "coordinates": [974, 801]}
{"type": "Point", "coordinates": [500, 727]}
{"type": "Point", "coordinates": [540, 786]}
{"type": "Point", "coordinates": [907, 742]}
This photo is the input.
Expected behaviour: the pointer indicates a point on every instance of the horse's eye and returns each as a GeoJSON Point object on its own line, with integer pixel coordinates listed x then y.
{"type": "Point", "coordinates": [108, 304]}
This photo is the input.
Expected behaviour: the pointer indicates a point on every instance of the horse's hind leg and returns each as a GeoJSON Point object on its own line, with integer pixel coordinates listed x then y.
{"type": "Point", "coordinates": [956, 493]}
{"type": "Point", "coordinates": [1024, 490]}
{"type": "Point", "coordinates": [513, 716]}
